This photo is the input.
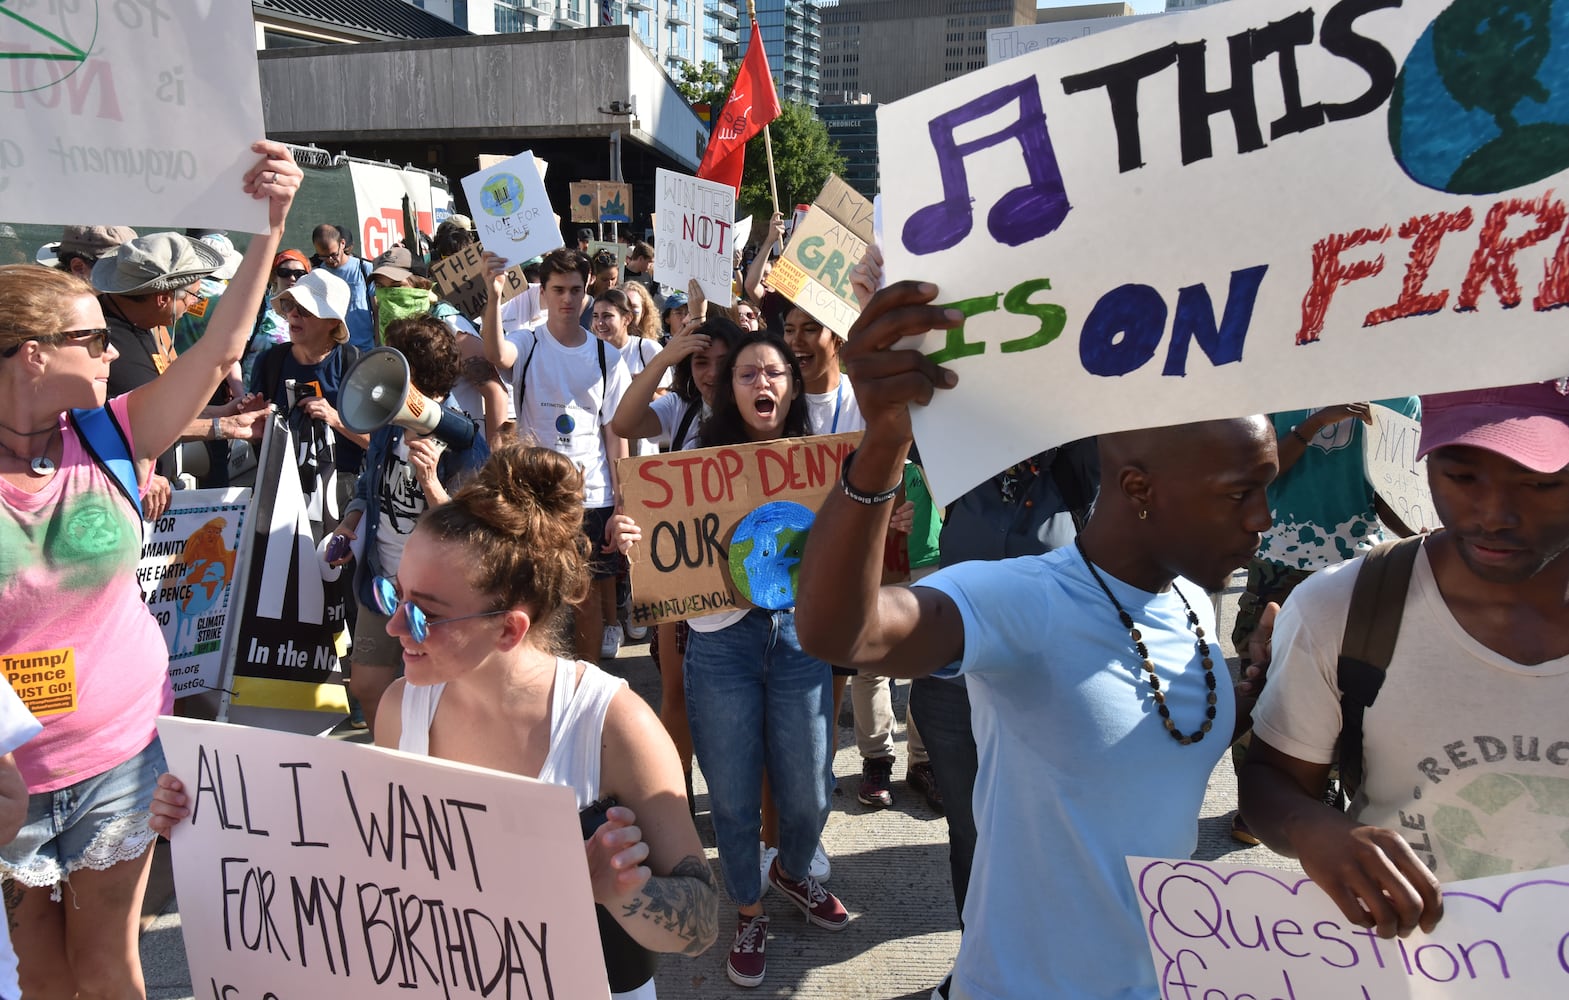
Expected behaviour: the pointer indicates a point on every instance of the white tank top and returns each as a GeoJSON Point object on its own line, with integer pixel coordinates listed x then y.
{"type": "Point", "coordinates": [577, 722]}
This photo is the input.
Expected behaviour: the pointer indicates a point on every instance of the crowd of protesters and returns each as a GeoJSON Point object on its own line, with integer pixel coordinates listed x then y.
{"type": "Point", "coordinates": [1070, 697]}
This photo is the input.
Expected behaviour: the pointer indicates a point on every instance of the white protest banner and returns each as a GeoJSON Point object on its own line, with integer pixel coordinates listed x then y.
{"type": "Point", "coordinates": [187, 578]}
{"type": "Point", "coordinates": [1394, 471]}
{"type": "Point", "coordinates": [814, 270]}
{"type": "Point", "coordinates": [742, 231]}
{"type": "Point", "coordinates": [137, 113]}
{"type": "Point", "coordinates": [694, 234]}
{"type": "Point", "coordinates": [1246, 208]}
{"type": "Point", "coordinates": [511, 209]}
{"type": "Point", "coordinates": [1229, 932]}
{"type": "Point", "coordinates": [1018, 40]}
{"type": "Point", "coordinates": [378, 201]}
{"type": "Point", "coordinates": [318, 868]}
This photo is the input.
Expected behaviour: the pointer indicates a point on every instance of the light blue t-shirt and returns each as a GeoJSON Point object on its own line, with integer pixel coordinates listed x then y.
{"type": "Point", "coordinates": [1076, 771]}
{"type": "Point", "coordinates": [361, 324]}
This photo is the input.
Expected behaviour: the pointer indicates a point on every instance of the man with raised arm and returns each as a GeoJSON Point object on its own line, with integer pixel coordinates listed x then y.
{"type": "Point", "coordinates": [1100, 705]}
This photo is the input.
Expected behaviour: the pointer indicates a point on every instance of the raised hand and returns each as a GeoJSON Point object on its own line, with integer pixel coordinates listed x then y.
{"type": "Point", "coordinates": [888, 379]}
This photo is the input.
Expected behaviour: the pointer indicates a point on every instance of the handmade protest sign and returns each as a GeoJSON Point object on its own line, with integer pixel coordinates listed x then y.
{"type": "Point", "coordinates": [312, 867]}
{"type": "Point", "coordinates": [1227, 932]}
{"type": "Point", "coordinates": [601, 201]}
{"type": "Point", "coordinates": [1394, 471]}
{"type": "Point", "coordinates": [814, 271]}
{"type": "Point", "coordinates": [460, 280]}
{"type": "Point", "coordinates": [1239, 209]}
{"type": "Point", "coordinates": [724, 528]}
{"type": "Point", "coordinates": [136, 113]}
{"type": "Point", "coordinates": [693, 234]}
{"type": "Point", "coordinates": [187, 578]}
{"type": "Point", "coordinates": [511, 210]}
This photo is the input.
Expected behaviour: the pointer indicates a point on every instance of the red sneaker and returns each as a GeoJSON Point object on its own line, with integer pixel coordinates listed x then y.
{"type": "Point", "coordinates": [747, 962]}
{"type": "Point", "coordinates": [820, 906]}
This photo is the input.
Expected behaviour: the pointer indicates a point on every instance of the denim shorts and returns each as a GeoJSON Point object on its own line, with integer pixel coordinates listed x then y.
{"type": "Point", "coordinates": [96, 823]}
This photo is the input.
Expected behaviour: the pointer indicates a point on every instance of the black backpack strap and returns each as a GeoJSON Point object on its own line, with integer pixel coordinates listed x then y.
{"type": "Point", "coordinates": [604, 373]}
{"type": "Point", "coordinates": [685, 423]}
{"type": "Point", "coordinates": [1378, 603]}
{"type": "Point", "coordinates": [523, 375]}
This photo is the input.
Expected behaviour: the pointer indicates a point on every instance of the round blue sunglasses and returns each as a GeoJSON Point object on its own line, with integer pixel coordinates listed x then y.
{"type": "Point", "coordinates": [420, 623]}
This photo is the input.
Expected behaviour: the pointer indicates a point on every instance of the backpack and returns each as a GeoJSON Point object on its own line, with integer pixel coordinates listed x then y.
{"type": "Point", "coordinates": [685, 423]}
{"type": "Point", "coordinates": [604, 371]}
{"type": "Point", "coordinates": [1378, 603]}
{"type": "Point", "coordinates": [105, 441]}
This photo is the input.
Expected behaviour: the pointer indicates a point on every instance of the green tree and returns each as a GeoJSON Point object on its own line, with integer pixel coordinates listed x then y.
{"type": "Point", "coordinates": [804, 156]}
{"type": "Point", "coordinates": [705, 83]}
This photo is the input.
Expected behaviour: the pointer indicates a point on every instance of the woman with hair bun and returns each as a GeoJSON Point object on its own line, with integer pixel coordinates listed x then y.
{"type": "Point", "coordinates": [482, 685]}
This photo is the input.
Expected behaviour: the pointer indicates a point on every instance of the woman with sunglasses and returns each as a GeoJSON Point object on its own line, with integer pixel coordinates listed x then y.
{"type": "Point", "coordinates": [271, 329]}
{"type": "Point", "coordinates": [477, 608]}
{"type": "Point", "coordinates": [69, 599]}
{"type": "Point", "coordinates": [755, 700]}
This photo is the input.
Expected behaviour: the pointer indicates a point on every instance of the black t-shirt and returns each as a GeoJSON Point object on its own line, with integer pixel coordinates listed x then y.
{"type": "Point", "coordinates": [135, 366]}
{"type": "Point", "coordinates": [326, 375]}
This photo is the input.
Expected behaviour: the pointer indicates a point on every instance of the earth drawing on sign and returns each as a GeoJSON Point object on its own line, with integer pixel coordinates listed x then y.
{"type": "Point", "coordinates": [765, 554]}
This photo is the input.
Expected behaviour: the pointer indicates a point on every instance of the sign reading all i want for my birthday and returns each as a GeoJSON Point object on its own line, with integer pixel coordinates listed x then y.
{"type": "Point", "coordinates": [1246, 208]}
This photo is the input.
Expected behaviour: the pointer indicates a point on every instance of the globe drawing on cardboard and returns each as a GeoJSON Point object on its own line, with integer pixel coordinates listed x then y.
{"type": "Point", "coordinates": [765, 554]}
{"type": "Point", "coordinates": [1482, 102]}
{"type": "Point", "coordinates": [502, 195]}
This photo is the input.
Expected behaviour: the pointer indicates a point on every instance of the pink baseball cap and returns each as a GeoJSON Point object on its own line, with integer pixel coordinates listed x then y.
{"type": "Point", "coordinates": [1527, 424]}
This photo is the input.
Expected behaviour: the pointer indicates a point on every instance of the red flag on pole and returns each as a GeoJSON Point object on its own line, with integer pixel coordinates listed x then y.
{"type": "Point", "coordinates": [752, 105]}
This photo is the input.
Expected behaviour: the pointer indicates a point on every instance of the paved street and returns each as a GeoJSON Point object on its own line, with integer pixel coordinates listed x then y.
{"type": "Point", "coordinates": [889, 867]}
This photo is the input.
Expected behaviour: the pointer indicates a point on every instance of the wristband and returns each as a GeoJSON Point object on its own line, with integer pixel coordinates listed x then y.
{"type": "Point", "coordinates": [215, 433]}
{"type": "Point", "coordinates": [1296, 432]}
{"type": "Point", "coordinates": [868, 499]}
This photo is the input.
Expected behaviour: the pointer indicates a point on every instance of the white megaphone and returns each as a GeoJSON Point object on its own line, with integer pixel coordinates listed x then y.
{"type": "Point", "coordinates": [376, 391]}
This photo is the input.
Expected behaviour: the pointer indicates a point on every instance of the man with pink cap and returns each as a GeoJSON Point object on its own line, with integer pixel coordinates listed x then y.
{"type": "Point", "coordinates": [1466, 746]}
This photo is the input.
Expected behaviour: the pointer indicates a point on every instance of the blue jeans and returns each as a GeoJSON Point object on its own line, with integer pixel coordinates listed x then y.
{"type": "Point", "coordinates": [942, 710]}
{"type": "Point", "coordinates": [754, 698]}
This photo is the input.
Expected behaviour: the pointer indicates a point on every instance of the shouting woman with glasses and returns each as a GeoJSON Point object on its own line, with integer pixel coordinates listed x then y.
{"type": "Point", "coordinates": [476, 609]}
{"type": "Point", "coordinates": [70, 604]}
{"type": "Point", "coordinates": [756, 701]}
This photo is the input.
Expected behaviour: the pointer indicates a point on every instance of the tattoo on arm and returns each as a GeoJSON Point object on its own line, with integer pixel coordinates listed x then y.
{"type": "Point", "coordinates": [13, 902]}
{"type": "Point", "coordinates": [683, 902]}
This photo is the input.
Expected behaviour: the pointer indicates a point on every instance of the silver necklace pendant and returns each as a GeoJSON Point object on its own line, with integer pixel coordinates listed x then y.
{"type": "Point", "coordinates": [41, 466]}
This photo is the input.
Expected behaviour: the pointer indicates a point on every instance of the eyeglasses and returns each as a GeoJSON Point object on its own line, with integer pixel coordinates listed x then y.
{"type": "Point", "coordinates": [289, 274]}
{"type": "Point", "coordinates": [748, 376]}
{"type": "Point", "coordinates": [420, 624]}
{"type": "Point", "coordinates": [95, 347]}
{"type": "Point", "coordinates": [188, 297]}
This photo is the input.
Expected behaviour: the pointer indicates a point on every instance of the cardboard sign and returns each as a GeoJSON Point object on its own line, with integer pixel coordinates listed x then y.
{"type": "Point", "coordinates": [814, 271]}
{"type": "Point", "coordinates": [1394, 471]}
{"type": "Point", "coordinates": [187, 578]}
{"type": "Point", "coordinates": [511, 210]}
{"type": "Point", "coordinates": [694, 234]}
{"type": "Point", "coordinates": [131, 113]}
{"type": "Point", "coordinates": [460, 280]}
{"type": "Point", "coordinates": [724, 528]}
{"type": "Point", "coordinates": [601, 201]}
{"type": "Point", "coordinates": [315, 868]}
{"type": "Point", "coordinates": [1227, 932]}
{"type": "Point", "coordinates": [1167, 223]}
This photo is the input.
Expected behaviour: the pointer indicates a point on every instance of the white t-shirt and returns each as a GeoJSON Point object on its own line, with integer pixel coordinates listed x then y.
{"type": "Point", "coordinates": [568, 400]}
{"type": "Point", "coordinates": [524, 310]}
{"type": "Point", "coordinates": [465, 395]}
{"type": "Point", "coordinates": [835, 411]}
{"type": "Point", "coordinates": [17, 726]}
{"type": "Point", "coordinates": [1076, 771]}
{"type": "Point", "coordinates": [669, 408]}
{"type": "Point", "coordinates": [637, 352]}
{"type": "Point", "coordinates": [401, 501]}
{"type": "Point", "coordinates": [1466, 751]}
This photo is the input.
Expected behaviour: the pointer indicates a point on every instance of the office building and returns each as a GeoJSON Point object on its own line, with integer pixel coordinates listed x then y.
{"type": "Point", "coordinates": [852, 125]}
{"type": "Point", "coordinates": [675, 30]}
{"type": "Point", "coordinates": [792, 37]}
{"type": "Point", "coordinates": [894, 48]}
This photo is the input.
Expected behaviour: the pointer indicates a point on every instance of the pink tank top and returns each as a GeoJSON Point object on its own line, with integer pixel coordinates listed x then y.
{"type": "Point", "coordinates": [76, 642]}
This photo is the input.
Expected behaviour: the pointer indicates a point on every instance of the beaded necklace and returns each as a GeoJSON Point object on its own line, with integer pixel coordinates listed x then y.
{"type": "Point", "coordinates": [1149, 665]}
